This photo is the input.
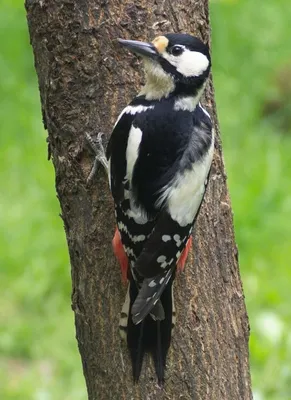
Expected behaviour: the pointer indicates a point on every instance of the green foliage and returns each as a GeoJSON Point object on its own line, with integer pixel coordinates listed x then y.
{"type": "Point", "coordinates": [38, 352]}
{"type": "Point", "coordinates": [250, 52]}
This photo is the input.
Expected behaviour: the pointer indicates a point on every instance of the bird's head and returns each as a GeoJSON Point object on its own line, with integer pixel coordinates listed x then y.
{"type": "Point", "coordinates": [174, 64]}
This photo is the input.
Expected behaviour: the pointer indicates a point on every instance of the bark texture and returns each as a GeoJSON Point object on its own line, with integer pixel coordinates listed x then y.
{"type": "Point", "coordinates": [85, 80]}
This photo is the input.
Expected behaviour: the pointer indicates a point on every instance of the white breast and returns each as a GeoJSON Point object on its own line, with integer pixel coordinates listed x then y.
{"type": "Point", "coordinates": [185, 194]}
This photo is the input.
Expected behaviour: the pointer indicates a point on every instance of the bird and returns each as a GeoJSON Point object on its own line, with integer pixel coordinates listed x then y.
{"type": "Point", "coordinates": [158, 160]}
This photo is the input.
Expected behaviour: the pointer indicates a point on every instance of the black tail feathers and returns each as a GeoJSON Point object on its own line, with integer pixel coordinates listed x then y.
{"type": "Point", "coordinates": [150, 336]}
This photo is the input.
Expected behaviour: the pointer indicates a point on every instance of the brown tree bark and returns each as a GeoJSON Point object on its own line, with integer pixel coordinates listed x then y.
{"type": "Point", "coordinates": [85, 80]}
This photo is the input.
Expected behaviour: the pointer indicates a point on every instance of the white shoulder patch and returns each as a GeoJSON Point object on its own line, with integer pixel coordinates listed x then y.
{"type": "Point", "coordinates": [132, 110]}
{"type": "Point", "coordinates": [137, 109]}
{"type": "Point", "coordinates": [132, 150]}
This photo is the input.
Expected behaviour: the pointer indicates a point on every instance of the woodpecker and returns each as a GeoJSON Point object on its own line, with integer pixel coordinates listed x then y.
{"type": "Point", "coordinates": [158, 159]}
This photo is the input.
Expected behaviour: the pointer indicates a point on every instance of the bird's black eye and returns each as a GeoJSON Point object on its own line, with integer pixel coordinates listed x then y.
{"type": "Point", "coordinates": [177, 50]}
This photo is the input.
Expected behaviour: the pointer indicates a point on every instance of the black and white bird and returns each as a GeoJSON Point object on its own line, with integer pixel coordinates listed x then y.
{"type": "Point", "coordinates": [158, 156]}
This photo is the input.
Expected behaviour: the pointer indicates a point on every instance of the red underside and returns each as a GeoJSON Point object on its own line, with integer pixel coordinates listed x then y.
{"type": "Point", "coordinates": [123, 260]}
{"type": "Point", "coordinates": [182, 260]}
{"type": "Point", "coordinates": [120, 255]}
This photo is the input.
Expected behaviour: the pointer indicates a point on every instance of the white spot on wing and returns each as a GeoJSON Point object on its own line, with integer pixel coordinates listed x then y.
{"type": "Point", "coordinates": [166, 238]}
{"type": "Point", "coordinates": [129, 251]}
{"type": "Point", "coordinates": [133, 238]}
{"type": "Point", "coordinates": [122, 227]}
{"type": "Point", "coordinates": [161, 259]}
{"type": "Point", "coordinates": [177, 240]}
{"type": "Point", "coordinates": [138, 238]}
{"type": "Point", "coordinates": [152, 283]}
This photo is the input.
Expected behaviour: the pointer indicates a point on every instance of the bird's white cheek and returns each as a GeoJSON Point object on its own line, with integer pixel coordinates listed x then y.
{"type": "Point", "coordinates": [192, 63]}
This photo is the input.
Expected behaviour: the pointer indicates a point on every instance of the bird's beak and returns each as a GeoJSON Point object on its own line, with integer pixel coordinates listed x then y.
{"type": "Point", "coordinates": [140, 48]}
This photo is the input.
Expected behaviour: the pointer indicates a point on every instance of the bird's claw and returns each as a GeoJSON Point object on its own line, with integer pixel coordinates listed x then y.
{"type": "Point", "coordinates": [100, 156]}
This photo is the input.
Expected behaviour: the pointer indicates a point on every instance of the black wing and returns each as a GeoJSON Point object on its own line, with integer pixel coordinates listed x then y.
{"type": "Point", "coordinates": [162, 250]}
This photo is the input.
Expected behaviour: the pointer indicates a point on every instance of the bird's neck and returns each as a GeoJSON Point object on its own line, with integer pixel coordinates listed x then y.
{"type": "Point", "coordinates": [157, 88]}
{"type": "Point", "coordinates": [162, 85]}
{"type": "Point", "coordinates": [183, 98]}
{"type": "Point", "coordinates": [165, 88]}
{"type": "Point", "coordinates": [187, 98]}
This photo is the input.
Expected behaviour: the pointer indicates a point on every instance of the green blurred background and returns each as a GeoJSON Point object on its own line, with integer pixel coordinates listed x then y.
{"type": "Point", "coordinates": [252, 72]}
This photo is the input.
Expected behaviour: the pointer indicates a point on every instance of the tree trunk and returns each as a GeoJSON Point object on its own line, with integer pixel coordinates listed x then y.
{"type": "Point", "coordinates": [85, 80]}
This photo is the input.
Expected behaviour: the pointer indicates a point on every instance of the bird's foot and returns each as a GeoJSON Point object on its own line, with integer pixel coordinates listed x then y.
{"type": "Point", "coordinates": [96, 145]}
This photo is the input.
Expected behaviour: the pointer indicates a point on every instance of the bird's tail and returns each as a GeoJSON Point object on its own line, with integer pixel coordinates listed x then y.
{"type": "Point", "coordinates": [153, 334]}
